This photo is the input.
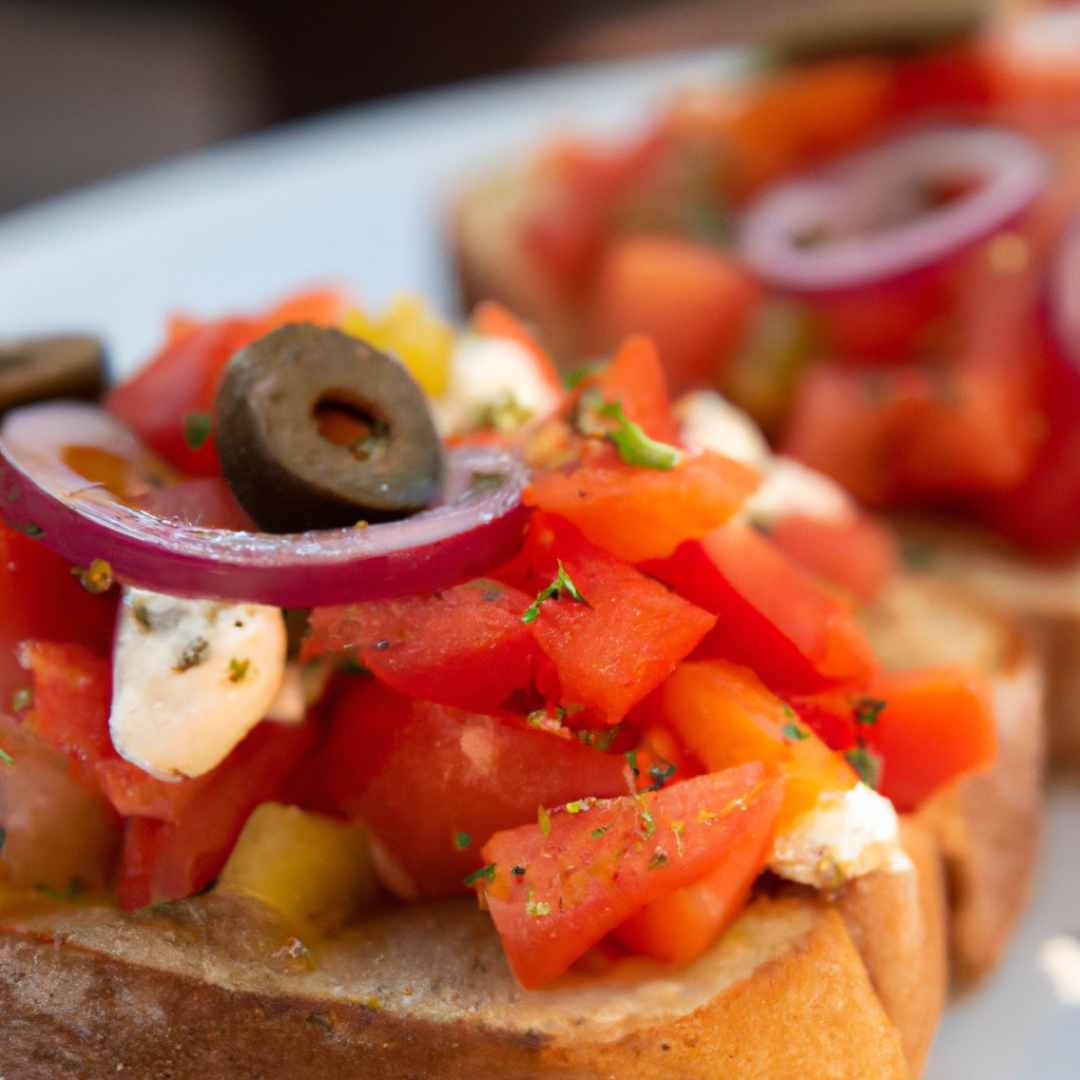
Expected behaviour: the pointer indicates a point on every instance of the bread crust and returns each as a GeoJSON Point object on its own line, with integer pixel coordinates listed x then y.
{"type": "Point", "coordinates": [202, 991]}
{"type": "Point", "coordinates": [986, 825]}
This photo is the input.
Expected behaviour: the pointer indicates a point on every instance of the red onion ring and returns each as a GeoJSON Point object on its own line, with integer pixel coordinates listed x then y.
{"type": "Point", "coordinates": [479, 524]}
{"type": "Point", "coordinates": [848, 199]}
{"type": "Point", "coordinates": [1064, 293]}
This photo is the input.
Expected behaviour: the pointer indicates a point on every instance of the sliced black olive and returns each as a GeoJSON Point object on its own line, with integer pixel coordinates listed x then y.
{"type": "Point", "coordinates": [317, 429]}
{"type": "Point", "coordinates": [842, 27]}
{"type": "Point", "coordinates": [42, 369]}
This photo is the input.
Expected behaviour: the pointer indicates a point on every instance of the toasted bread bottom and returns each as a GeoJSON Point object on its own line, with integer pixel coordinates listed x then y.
{"type": "Point", "coordinates": [213, 987]}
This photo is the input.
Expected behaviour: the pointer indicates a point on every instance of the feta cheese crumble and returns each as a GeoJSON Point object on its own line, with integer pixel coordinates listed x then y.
{"type": "Point", "coordinates": [190, 679]}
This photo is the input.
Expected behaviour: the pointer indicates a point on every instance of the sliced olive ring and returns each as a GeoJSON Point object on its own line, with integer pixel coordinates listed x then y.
{"type": "Point", "coordinates": [318, 430]}
{"type": "Point", "coordinates": [43, 369]}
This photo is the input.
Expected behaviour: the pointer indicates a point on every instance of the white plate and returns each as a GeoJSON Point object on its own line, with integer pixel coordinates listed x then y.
{"type": "Point", "coordinates": [359, 198]}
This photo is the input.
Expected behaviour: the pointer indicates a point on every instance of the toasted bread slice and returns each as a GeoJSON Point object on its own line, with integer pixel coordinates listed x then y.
{"type": "Point", "coordinates": [987, 825]}
{"type": "Point", "coordinates": [214, 987]}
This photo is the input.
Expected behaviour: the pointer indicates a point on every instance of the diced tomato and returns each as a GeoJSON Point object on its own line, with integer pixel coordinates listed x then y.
{"type": "Point", "coordinates": [635, 378]}
{"type": "Point", "coordinates": [640, 513]}
{"type": "Point", "coordinates": [846, 422]}
{"type": "Point", "coordinates": [936, 725]}
{"type": "Point", "coordinates": [493, 320]}
{"type": "Point", "coordinates": [622, 640]}
{"type": "Point", "coordinates": [183, 378]}
{"type": "Point", "coordinates": [589, 867]}
{"type": "Point", "coordinates": [465, 646]}
{"type": "Point", "coordinates": [861, 556]}
{"type": "Point", "coordinates": [40, 599]}
{"type": "Point", "coordinates": [772, 616]}
{"type": "Point", "coordinates": [789, 120]}
{"type": "Point", "coordinates": [726, 716]}
{"type": "Point", "coordinates": [696, 302]}
{"type": "Point", "coordinates": [680, 926]}
{"type": "Point", "coordinates": [944, 82]}
{"type": "Point", "coordinates": [889, 321]}
{"type": "Point", "coordinates": [174, 858]}
{"type": "Point", "coordinates": [434, 783]}
{"type": "Point", "coordinates": [1042, 515]}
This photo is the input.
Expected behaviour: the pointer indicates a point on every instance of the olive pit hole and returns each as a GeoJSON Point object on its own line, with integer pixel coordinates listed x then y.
{"type": "Point", "coordinates": [345, 421]}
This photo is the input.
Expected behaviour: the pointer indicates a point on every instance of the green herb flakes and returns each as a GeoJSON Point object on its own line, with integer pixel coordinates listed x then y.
{"type": "Point", "coordinates": [634, 446]}
{"type": "Point", "coordinates": [96, 578]}
{"type": "Point", "coordinates": [461, 841]}
{"type": "Point", "coordinates": [544, 818]}
{"type": "Point", "coordinates": [484, 874]}
{"type": "Point", "coordinates": [597, 833]}
{"type": "Point", "coordinates": [867, 764]}
{"type": "Point", "coordinates": [561, 587]}
{"type": "Point", "coordinates": [660, 860]}
{"type": "Point", "coordinates": [660, 774]}
{"type": "Point", "coordinates": [74, 888]}
{"type": "Point", "coordinates": [7, 759]}
{"type": "Point", "coordinates": [867, 710]}
{"type": "Point", "coordinates": [197, 428]}
{"type": "Point", "coordinates": [238, 669]}
{"type": "Point", "coordinates": [794, 732]}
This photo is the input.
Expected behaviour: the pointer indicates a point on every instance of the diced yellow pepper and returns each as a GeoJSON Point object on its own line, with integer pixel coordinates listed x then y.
{"type": "Point", "coordinates": [313, 870]}
{"type": "Point", "coordinates": [413, 332]}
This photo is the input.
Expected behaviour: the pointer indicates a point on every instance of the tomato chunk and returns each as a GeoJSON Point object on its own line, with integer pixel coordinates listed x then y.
{"type": "Point", "coordinates": [639, 513]}
{"type": "Point", "coordinates": [680, 926]}
{"type": "Point", "coordinates": [434, 783]}
{"type": "Point", "coordinates": [465, 646]}
{"type": "Point", "coordinates": [40, 599]}
{"type": "Point", "coordinates": [772, 617]}
{"type": "Point", "coordinates": [726, 716]}
{"type": "Point", "coordinates": [625, 636]}
{"type": "Point", "coordinates": [558, 886]}
{"type": "Point", "coordinates": [861, 556]}
{"type": "Point", "coordinates": [936, 725]}
{"type": "Point", "coordinates": [695, 301]}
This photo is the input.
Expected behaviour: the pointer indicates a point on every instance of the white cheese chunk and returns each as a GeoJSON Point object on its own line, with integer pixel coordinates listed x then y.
{"type": "Point", "coordinates": [708, 421]}
{"type": "Point", "coordinates": [791, 488]}
{"type": "Point", "coordinates": [190, 679]}
{"type": "Point", "coordinates": [845, 835]}
{"type": "Point", "coordinates": [492, 380]}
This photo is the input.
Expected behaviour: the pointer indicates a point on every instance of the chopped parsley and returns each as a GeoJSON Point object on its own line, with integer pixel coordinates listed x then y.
{"type": "Point", "coordinates": [660, 774]}
{"type": "Point", "coordinates": [600, 740]}
{"type": "Point", "coordinates": [75, 886]}
{"type": "Point", "coordinates": [560, 587]}
{"type": "Point", "coordinates": [462, 840]}
{"type": "Point", "coordinates": [238, 669]}
{"type": "Point", "coordinates": [867, 764]}
{"type": "Point", "coordinates": [544, 819]}
{"type": "Point", "coordinates": [660, 860]}
{"type": "Point", "coordinates": [197, 428]}
{"type": "Point", "coordinates": [794, 732]}
{"type": "Point", "coordinates": [485, 873]}
{"type": "Point", "coordinates": [7, 759]}
{"type": "Point", "coordinates": [867, 710]}
{"type": "Point", "coordinates": [597, 833]}
{"type": "Point", "coordinates": [35, 532]}
{"type": "Point", "coordinates": [634, 446]}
